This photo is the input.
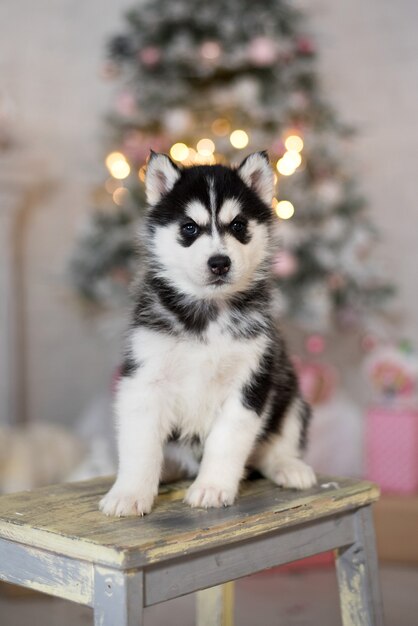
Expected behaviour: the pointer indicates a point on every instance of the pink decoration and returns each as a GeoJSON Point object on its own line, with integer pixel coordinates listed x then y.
{"type": "Point", "coordinates": [392, 449]}
{"type": "Point", "coordinates": [150, 56]}
{"type": "Point", "coordinates": [285, 264]}
{"type": "Point", "coordinates": [210, 50]}
{"type": "Point", "coordinates": [137, 146]}
{"type": "Point", "coordinates": [393, 373]}
{"type": "Point", "coordinates": [317, 380]}
{"type": "Point", "coordinates": [262, 51]}
{"type": "Point", "coordinates": [315, 344]}
{"type": "Point", "coordinates": [305, 45]}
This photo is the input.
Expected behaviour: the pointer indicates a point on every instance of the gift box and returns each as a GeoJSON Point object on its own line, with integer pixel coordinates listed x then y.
{"type": "Point", "coordinates": [392, 449]}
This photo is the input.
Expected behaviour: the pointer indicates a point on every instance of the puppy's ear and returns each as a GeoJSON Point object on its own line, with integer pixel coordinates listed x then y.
{"type": "Point", "coordinates": [160, 177]}
{"type": "Point", "coordinates": [257, 174]}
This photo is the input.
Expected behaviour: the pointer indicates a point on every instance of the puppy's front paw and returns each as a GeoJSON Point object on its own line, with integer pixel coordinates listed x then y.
{"type": "Point", "coordinates": [206, 495]}
{"type": "Point", "coordinates": [294, 474]}
{"type": "Point", "coordinates": [122, 502]}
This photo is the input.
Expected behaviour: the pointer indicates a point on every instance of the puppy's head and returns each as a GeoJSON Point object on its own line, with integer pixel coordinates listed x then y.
{"type": "Point", "coordinates": [208, 226]}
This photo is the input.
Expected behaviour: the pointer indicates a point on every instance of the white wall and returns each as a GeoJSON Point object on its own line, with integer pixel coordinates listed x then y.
{"type": "Point", "coordinates": [50, 57]}
{"type": "Point", "coordinates": [369, 68]}
{"type": "Point", "coordinates": [51, 54]}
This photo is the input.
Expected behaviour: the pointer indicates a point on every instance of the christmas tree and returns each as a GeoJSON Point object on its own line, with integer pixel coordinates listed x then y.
{"type": "Point", "coordinates": [212, 82]}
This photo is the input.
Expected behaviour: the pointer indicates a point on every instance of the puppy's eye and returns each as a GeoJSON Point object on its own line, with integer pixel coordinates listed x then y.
{"type": "Point", "coordinates": [190, 229]}
{"type": "Point", "coordinates": [237, 226]}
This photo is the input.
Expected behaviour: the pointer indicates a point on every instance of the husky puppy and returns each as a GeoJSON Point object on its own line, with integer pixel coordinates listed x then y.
{"type": "Point", "coordinates": [206, 386]}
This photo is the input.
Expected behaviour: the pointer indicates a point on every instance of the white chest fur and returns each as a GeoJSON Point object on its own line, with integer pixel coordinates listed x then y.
{"type": "Point", "coordinates": [193, 377]}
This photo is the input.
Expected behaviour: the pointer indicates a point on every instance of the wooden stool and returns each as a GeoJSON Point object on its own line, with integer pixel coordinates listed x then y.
{"type": "Point", "coordinates": [56, 541]}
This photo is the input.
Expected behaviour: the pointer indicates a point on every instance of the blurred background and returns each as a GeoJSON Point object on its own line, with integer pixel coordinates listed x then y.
{"type": "Point", "coordinates": [330, 88]}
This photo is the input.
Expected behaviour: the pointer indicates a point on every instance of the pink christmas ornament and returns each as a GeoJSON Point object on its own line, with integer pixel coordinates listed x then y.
{"type": "Point", "coordinates": [150, 56]}
{"type": "Point", "coordinates": [305, 46]}
{"type": "Point", "coordinates": [210, 50]}
{"type": "Point", "coordinates": [262, 51]}
{"type": "Point", "coordinates": [317, 381]}
{"type": "Point", "coordinates": [137, 146]}
{"type": "Point", "coordinates": [285, 264]}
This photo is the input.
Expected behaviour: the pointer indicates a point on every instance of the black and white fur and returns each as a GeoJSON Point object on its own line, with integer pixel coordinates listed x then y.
{"type": "Point", "coordinates": [207, 388]}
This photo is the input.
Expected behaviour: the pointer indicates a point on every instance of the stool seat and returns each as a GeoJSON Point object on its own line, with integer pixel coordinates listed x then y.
{"type": "Point", "coordinates": [65, 519]}
{"type": "Point", "coordinates": [54, 539]}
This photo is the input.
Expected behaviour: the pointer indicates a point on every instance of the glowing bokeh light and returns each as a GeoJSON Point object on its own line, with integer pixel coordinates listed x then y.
{"type": "Point", "coordinates": [205, 147]}
{"type": "Point", "coordinates": [117, 165]}
{"type": "Point", "coordinates": [284, 209]}
{"type": "Point", "coordinates": [284, 167]}
{"type": "Point", "coordinates": [239, 139]}
{"type": "Point", "coordinates": [294, 143]}
{"type": "Point", "coordinates": [289, 162]}
{"type": "Point", "coordinates": [179, 151]}
{"type": "Point", "coordinates": [203, 159]}
{"type": "Point", "coordinates": [120, 195]}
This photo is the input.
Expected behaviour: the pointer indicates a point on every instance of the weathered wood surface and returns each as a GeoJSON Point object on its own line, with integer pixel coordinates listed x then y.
{"type": "Point", "coordinates": [358, 576]}
{"type": "Point", "coordinates": [65, 519]}
{"type": "Point", "coordinates": [218, 565]}
{"type": "Point", "coordinates": [118, 598]}
{"type": "Point", "coordinates": [46, 572]}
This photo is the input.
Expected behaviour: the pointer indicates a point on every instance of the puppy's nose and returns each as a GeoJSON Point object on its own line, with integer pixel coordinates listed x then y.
{"type": "Point", "coordinates": [219, 264]}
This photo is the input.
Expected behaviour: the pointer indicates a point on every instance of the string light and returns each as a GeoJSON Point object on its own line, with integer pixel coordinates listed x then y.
{"type": "Point", "coordinates": [141, 173]}
{"type": "Point", "coordinates": [192, 155]}
{"type": "Point", "coordinates": [119, 195]}
{"type": "Point", "coordinates": [117, 165]}
{"type": "Point", "coordinates": [202, 159]}
{"type": "Point", "coordinates": [284, 209]}
{"type": "Point", "coordinates": [179, 151]}
{"type": "Point", "coordinates": [239, 139]}
{"type": "Point", "coordinates": [205, 147]}
{"type": "Point", "coordinates": [294, 143]}
{"type": "Point", "coordinates": [289, 162]}
{"type": "Point", "coordinates": [221, 127]}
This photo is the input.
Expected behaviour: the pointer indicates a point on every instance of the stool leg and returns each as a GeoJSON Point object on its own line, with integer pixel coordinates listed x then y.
{"type": "Point", "coordinates": [215, 606]}
{"type": "Point", "coordinates": [358, 575]}
{"type": "Point", "coordinates": [118, 598]}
